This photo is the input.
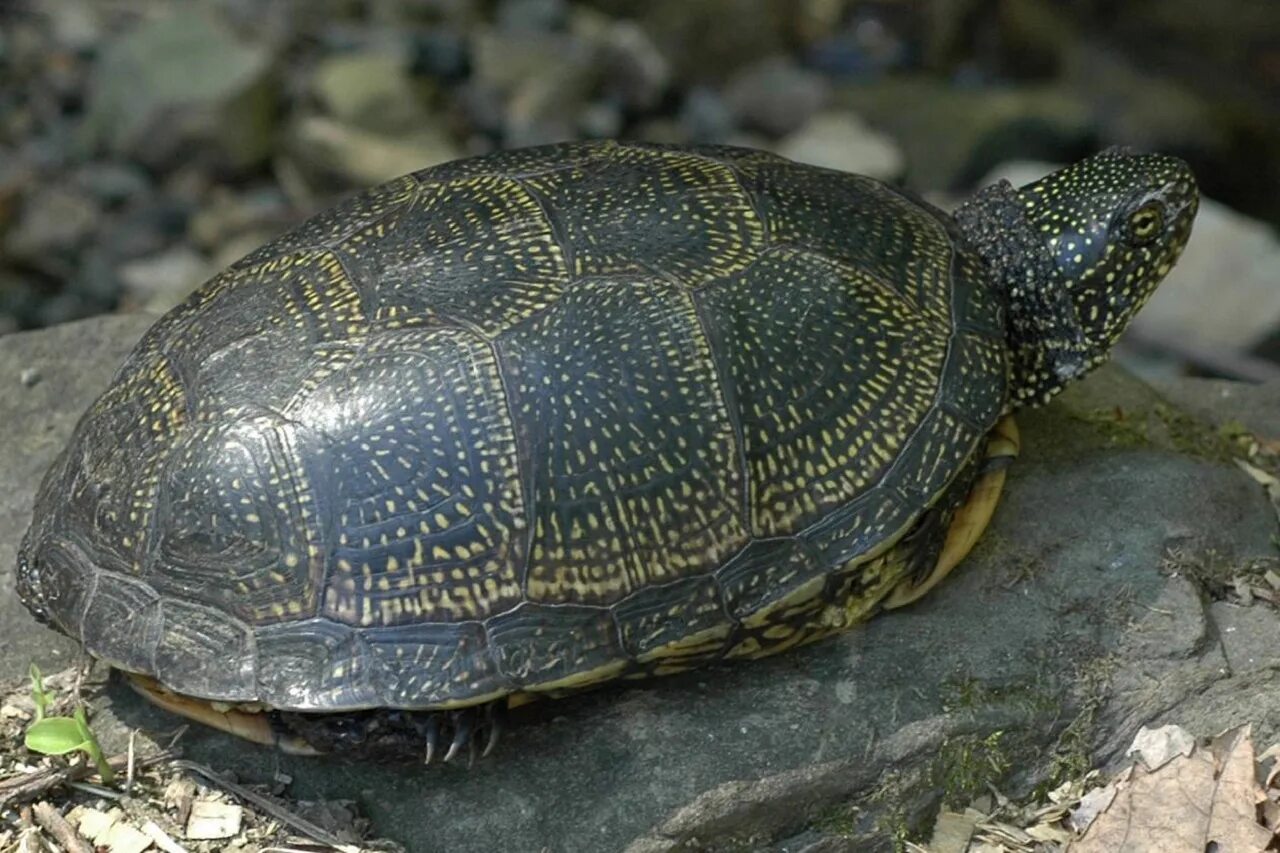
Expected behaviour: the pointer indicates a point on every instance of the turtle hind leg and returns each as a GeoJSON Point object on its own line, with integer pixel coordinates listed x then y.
{"type": "Point", "coordinates": [950, 530]}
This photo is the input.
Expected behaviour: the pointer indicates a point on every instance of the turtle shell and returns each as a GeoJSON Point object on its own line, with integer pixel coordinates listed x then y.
{"type": "Point", "coordinates": [524, 422]}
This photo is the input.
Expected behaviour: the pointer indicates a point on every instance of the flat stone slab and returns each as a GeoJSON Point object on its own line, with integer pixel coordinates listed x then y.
{"type": "Point", "coordinates": [1080, 617]}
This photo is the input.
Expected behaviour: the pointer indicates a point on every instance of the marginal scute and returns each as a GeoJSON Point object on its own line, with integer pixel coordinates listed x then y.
{"type": "Point", "coordinates": [974, 382]}
{"type": "Point", "coordinates": [193, 635]}
{"type": "Point", "coordinates": [763, 573]}
{"type": "Point", "coordinates": [122, 622]}
{"type": "Point", "coordinates": [861, 527]}
{"type": "Point", "coordinates": [935, 455]}
{"type": "Point", "coordinates": [316, 665]}
{"type": "Point", "coordinates": [538, 645]}
{"type": "Point", "coordinates": [435, 665]}
{"type": "Point", "coordinates": [653, 619]}
{"type": "Point", "coordinates": [66, 582]}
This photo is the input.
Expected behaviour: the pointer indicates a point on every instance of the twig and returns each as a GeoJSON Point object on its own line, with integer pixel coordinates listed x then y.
{"type": "Point", "coordinates": [95, 790]}
{"type": "Point", "coordinates": [128, 779]}
{"type": "Point", "coordinates": [28, 786]}
{"type": "Point", "coordinates": [286, 817]}
{"type": "Point", "coordinates": [52, 822]}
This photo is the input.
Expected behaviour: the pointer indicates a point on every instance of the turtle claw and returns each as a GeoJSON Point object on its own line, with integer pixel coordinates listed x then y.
{"type": "Point", "coordinates": [495, 719]}
{"type": "Point", "coordinates": [463, 725]}
{"type": "Point", "coordinates": [432, 737]}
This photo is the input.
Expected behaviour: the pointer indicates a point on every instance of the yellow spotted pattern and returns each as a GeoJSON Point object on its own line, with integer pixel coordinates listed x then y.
{"type": "Point", "coordinates": [633, 468]}
{"type": "Point", "coordinates": [532, 421]}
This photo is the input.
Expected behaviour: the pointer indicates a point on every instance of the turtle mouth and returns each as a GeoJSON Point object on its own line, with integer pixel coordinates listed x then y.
{"type": "Point", "coordinates": [389, 733]}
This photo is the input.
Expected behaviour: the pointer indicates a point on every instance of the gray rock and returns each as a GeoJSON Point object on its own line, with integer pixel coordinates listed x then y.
{"type": "Point", "coordinates": [710, 40]}
{"type": "Point", "coordinates": [76, 24]}
{"type": "Point", "coordinates": [775, 96]}
{"type": "Point", "coordinates": [634, 71]}
{"type": "Point", "coordinates": [112, 183]}
{"type": "Point", "coordinates": [372, 91]}
{"type": "Point", "coordinates": [340, 156]}
{"type": "Point", "coordinates": [157, 283]}
{"type": "Point", "coordinates": [504, 60]}
{"type": "Point", "coordinates": [705, 117]}
{"type": "Point", "coordinates": [1049, 647]}
{"type": "Point", "coordinates": [519, 16]}
{"type": "Point", "coordinates": [182, 85]}
{"type": "Point", "coordinates": [54, 223]}
{"type": "Point", "coordinates": [229, 213]}
{"type": "Point", "coordinates": [543, 80]}
{"type": "Point", "coordinates": [953, 135]}
{"type": "Point", "coordinates": [76, 361]}
{"type": "Point", "coordinates": [840, 140]}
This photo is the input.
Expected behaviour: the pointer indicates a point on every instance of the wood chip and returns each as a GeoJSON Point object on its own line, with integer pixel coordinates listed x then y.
{"type": "Point", "coordinates": [123, 838]}
{"type": "Point", "coordinates": [212, 821]}
{"type": "Point", "coordinates": [178, 797]}
{"type": "Point", "coordinates": [161, 838]}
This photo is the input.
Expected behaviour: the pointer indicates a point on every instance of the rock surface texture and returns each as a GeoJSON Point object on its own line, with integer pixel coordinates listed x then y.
{"type": "Point", "coordinates": [1086, 612]}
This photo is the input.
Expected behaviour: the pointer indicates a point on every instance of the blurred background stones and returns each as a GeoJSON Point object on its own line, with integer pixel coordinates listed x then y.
{"type": "Point", "coordinates": [144, 144]}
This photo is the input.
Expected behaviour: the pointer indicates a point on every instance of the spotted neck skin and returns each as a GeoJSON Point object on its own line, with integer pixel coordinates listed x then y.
{"type": "Point", "coordinates": [1076, 254]}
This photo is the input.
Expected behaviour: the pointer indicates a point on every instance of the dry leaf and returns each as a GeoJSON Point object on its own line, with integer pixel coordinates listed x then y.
{"type": "Point", "coordinates": [1091, 805]}
{"type": "Point", "coordinates": [1156, 747]}
{"type": "Point", "coordinates": [1049, 832]}
{"type": "Point", "coordinates": [1191, 802]}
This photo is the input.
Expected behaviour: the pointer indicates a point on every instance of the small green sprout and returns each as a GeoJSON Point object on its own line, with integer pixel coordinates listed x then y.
{"type": "Point", "coordinates": [61, 735]}
{"type": "Point", "coordinates": [42, 698]}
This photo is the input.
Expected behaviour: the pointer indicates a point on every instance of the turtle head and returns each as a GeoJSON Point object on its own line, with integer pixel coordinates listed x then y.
{"type": "Point", "coordinates": [1076, 254]}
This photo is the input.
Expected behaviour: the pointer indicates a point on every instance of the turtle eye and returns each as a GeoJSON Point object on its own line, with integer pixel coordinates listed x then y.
{"type": "Point", "coordinates": [1146, 222]}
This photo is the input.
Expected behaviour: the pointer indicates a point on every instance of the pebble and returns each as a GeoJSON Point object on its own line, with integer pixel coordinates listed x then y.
{"type": "Point", "coordinates": [775, 95]}
{"type": "Point", "coordinates": [354, 157]}
{"type": "Point", "coordinates": [181, 84]}
{"type": "Point", "coordinates": [159, 282]}
{"type": "Point", "coordinates": [373, 91]}
{"type": "Point", "coordinates": [53, 222]}
{"type": "Point", "coordinates": [840, 140]}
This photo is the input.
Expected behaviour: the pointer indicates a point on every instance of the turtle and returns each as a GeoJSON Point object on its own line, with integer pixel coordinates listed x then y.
{"type": "Point", "coordinates": [526, 423]}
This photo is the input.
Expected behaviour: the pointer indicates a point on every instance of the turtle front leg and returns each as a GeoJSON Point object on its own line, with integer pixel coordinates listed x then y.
{"type": "Point", "coordinates": [970, 519]}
